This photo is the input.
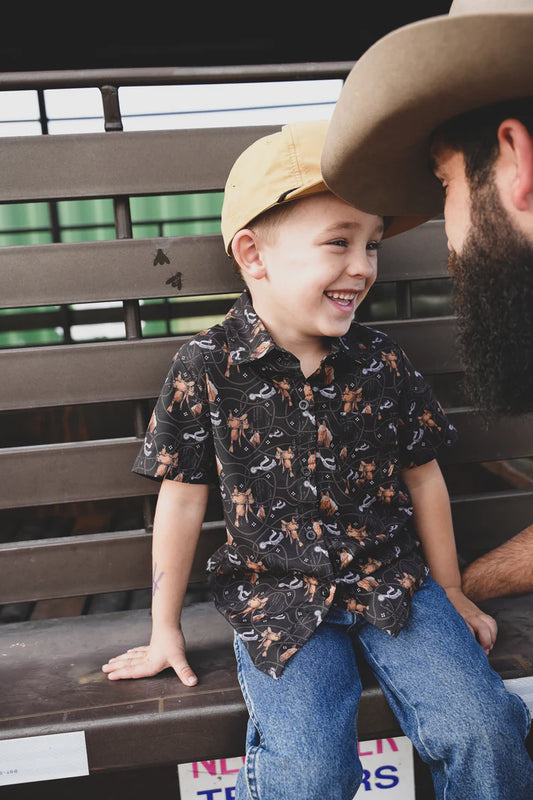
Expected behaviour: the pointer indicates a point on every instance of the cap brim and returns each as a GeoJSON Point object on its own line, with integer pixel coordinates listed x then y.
{"type": "Point", "coordinates": [376, 154]}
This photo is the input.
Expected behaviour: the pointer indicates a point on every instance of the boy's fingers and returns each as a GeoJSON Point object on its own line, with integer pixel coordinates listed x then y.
{"type": "Point", "coordinates": [185, 673]}
{"type": "Point", "coordinates": [487, 631]}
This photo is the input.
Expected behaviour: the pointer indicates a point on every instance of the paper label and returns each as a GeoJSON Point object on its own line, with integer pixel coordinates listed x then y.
{"type": "Point", "coordinates": [42, 758]}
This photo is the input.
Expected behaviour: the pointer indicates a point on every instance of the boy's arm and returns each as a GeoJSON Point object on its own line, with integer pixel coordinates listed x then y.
{"type": "Point", "coordinates": [178, 520]}
{"type": "Point", "coordinates": [433, 520]}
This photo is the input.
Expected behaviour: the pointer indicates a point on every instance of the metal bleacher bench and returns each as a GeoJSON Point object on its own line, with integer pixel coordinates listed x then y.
{"type": "Point", "coordinates": [50, 660]}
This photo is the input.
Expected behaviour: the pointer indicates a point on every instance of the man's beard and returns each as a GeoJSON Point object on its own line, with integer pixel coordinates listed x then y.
{"type": "Point", "coordinates": [493, 297]}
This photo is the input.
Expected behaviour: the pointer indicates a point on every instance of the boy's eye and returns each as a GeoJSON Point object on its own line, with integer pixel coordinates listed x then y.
{"type": "Point", "coordinates": [339, 242]}
{"type": "Point", "coordinates": [374, 245]}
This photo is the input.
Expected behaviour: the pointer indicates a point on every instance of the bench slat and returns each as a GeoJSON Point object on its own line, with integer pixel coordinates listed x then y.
{"type": "Point", "coordinates": [420, 253]}
{"type": "Point", "coordinates": [126, 370]}
{"type": "Point", "coordinates": [51, 274]}
{"type": "Point", "coordinates": [90, 564]}
{"type": "Point", "coordinates": [72, 166]}
{"type": "Point", "coordinates": [101, 469]}
{"type": "Point", "coordinates": [120, 561]}
{"type": "Point", "coordinates": [55, 274]}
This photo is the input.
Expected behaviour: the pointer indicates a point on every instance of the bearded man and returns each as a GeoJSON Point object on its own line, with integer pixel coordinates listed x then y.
{"type": "Point", "coordinates": [437, 117]}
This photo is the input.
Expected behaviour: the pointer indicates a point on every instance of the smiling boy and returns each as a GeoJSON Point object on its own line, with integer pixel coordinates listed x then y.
{"type": "Point", "coordinates": [322, 439]}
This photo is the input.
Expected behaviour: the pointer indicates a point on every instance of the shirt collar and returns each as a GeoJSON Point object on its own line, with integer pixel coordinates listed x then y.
{"type": "Point", "coordinates": [249, 340]}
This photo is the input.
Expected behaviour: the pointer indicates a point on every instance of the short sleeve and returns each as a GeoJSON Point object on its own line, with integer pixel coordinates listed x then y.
{"type": "Point", "coordinates": [423, 427]}
{"type": "Point", "coordinates": [178, 444]}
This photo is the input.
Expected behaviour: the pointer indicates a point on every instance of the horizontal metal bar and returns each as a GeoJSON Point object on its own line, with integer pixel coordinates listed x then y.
{"type": "Point", "coordinates": [86, 373]}
{"type": "Point", "coordinates": [92, 564]}
{"type": "Point", "coordinates": [127, 269]}
{"type": "Point", "coordinates": [120, 561]}
{"type": "Point", "coordinates": [420, 253]}
{"type": "Point", "coordinates": [145, 76]}
{"type": "Point", "coordinates": [429, 343]}
{"type": "Point", "coordinates": [74, 166]}
{"type": "Point", "coordinates": [64, 473]}
{"type": "Point", "coordinates": [484, 521]}
{"type": "Point", "coordinates": [129, 370]}
{"type": "Point", "coordinates": [97, 470]}
{"type": "Point", "coordinates": [171, 266]}
{"type": "Point", "coordinates": [507, 437]}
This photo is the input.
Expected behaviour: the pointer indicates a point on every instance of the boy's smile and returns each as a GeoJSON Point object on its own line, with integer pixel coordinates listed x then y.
{"type": "Point", "coordinates": [311, 273]}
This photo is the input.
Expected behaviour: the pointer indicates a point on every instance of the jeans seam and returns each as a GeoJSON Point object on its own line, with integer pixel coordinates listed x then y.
{"type": "Point", "coordinates": [527, 713]}
{"type": "Point", "coordinates": [244, 689]}
{"type": "Point", "coordinates": [253, 751]}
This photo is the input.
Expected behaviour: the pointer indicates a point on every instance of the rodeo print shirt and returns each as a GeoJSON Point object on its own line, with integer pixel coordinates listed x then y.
{"type": "Point", "coordinates": [309, 475]}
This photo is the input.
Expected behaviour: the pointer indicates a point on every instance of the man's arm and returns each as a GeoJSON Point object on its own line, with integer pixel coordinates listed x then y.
{"type": "Point", "coordinates": [505, 570]}
{"type": "Point", "coordinates": [178, 520]}
{"type": "Point", "coordinates": [433, 520]}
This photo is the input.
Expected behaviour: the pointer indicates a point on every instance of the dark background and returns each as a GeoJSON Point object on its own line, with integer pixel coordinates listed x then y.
{"type": "Point", "coordinates": [55, 36]}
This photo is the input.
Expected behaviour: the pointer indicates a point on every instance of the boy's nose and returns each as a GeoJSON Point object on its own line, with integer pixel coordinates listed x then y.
{"type": "Point", "coordinates": [360, 267]}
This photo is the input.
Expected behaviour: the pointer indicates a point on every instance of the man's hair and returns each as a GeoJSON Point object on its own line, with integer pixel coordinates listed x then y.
{"type": "Point", "coordinates": [475, 134]}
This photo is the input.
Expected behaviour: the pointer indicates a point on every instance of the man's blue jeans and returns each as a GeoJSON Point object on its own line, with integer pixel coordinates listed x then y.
{"type": "Point", "coordinates": [302, 733]}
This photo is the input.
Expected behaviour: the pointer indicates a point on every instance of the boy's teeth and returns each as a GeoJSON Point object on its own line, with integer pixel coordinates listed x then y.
{"type": "Point", "coordinates": [341, 295]}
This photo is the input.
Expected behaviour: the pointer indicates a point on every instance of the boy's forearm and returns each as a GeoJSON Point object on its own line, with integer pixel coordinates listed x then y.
{"type": "Point", "coordinates": [433, 520]}
{"type": "Point", "coordinates": [178, 520]}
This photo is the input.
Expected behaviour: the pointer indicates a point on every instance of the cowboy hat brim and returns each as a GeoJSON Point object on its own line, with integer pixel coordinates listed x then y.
{"type": "Point", "coordinates": [376, 154]}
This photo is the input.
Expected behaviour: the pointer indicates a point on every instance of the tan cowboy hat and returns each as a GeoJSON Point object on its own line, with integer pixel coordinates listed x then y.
{"type": "Point", "coordinates": [376, 152]}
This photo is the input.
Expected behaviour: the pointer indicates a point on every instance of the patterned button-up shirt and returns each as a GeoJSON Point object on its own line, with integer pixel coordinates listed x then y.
{"type": "Point", "coordinates": [309, 471]}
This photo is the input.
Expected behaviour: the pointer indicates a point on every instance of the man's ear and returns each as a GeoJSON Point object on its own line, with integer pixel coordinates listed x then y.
{"type": "Point", "coordinates": [247, 254]}
{"type": "Point", "coordinates": [516, 152]}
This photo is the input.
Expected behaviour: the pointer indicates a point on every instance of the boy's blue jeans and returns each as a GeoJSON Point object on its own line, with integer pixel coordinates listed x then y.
{"type": "Point", "coordinates": [302, 736]}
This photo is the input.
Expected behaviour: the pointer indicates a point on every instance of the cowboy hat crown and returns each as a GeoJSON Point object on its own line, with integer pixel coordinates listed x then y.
{"type": "Point", "coordinates": [376, 154]}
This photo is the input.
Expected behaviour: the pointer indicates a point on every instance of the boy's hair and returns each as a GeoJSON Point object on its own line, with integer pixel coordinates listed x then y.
{"type": "Point", "coordinates": [475, 135]}
{"type": "Point", "coordinates": [266, 224]}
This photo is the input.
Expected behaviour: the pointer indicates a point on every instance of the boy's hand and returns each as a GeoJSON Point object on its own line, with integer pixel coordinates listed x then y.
{"type": "Point", "coordinates": [165, 650]}
{"type": "Point", "coordinates": [483, 627]}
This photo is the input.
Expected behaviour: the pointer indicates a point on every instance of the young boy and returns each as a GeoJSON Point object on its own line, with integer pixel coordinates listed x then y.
{"type": "Point", "coordinates": [322, 437]}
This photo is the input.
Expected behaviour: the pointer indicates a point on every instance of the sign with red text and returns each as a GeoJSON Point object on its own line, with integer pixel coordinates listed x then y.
{"type": "Point", "coordinates": [387, 773]}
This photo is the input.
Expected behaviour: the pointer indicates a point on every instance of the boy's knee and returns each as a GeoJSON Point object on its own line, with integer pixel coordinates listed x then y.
{"type": "Point", "coordinates": [487, 724]}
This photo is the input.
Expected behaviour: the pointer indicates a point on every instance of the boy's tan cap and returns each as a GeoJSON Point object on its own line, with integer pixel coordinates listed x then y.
{"type": "Point", "coordinates": [376, 153]}
{"type": "Point", "coordinates": [273, 170]}
{"type": "Point", "coordinates": [277, 169]}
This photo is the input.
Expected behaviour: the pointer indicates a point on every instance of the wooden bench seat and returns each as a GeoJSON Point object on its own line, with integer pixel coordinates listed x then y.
{"type": "Point", "coordinates": [56, 685]}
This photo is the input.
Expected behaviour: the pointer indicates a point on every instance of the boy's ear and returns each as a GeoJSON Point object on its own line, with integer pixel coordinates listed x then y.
{"type": "Point", "coordinates": [516, 151]}
{"type": "Point", "coordinates": [247, 254]}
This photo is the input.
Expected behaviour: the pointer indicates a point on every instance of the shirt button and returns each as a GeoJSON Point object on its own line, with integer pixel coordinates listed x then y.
{"type": "Point", "coordinates": [324, 591]}
{"type": "Point", "coordinates": [303, 404]}
{"type": "Point", "coordinates": [310, 535]}
{"type": "Point", "coordinates": [306, 471]}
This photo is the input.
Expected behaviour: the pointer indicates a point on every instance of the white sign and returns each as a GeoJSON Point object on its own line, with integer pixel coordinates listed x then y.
{"type": "Point", "coordinates": [387, 764]}
{"type": "Point", "coordinates": [43, 758]}
{"type": "Point", "coordinates": [523, 687]}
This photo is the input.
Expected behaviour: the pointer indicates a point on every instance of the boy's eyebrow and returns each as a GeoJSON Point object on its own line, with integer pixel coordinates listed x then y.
{"type": "Point", "coordinates": [351, 224]}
